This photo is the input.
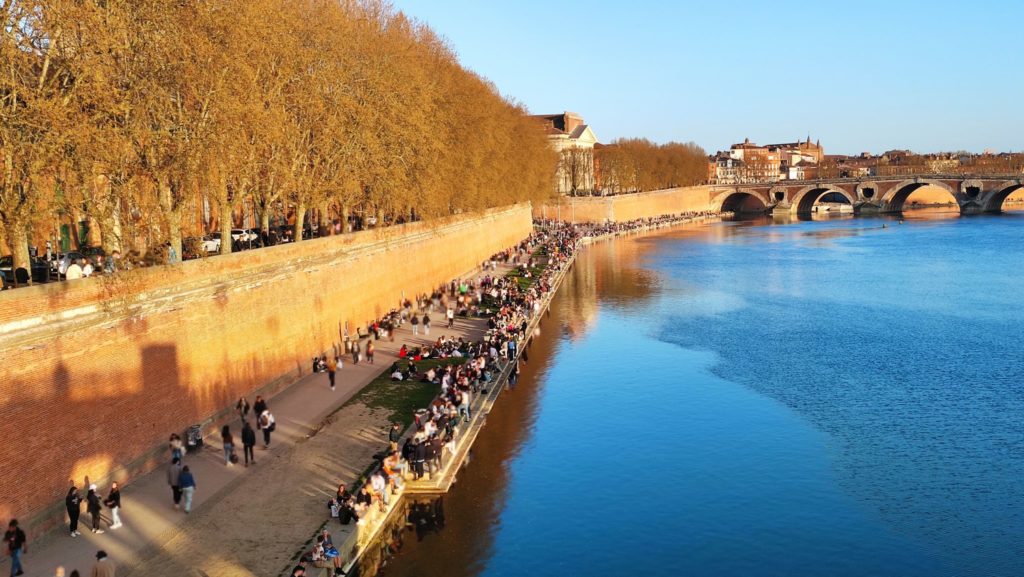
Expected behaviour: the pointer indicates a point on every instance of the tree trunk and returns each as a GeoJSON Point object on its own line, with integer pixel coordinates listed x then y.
{"type": "Point", "coordinates": [380, 218]}
{"type": "Point", "coordinates": [18, 239]}
{"type": "Point", "coordinates": [114, 243]}
{"type": "Point", "coordinates": [226, 222]}
{"type": "Point", "coordinates": [174, 254]}
{"type": "Point", "coordinates": [265, 222]}
{"type": "Point", "coordinates": [326, 228]}
{"type": "Point", "coordinates": [344, 218]}
{"type": "Point", "coordinates": [300, 217]}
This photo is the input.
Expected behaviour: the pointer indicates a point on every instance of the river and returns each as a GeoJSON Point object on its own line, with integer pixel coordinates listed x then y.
{"type": "Point", "coordinates": [835, 397]}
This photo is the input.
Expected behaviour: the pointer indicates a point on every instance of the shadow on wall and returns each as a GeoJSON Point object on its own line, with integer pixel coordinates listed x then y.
{"type": "Point", "coordinates": [82, 428]}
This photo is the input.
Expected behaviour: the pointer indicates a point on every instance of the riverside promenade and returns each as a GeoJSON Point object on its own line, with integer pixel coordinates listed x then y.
{"type": "Point", "coordinates": [356, 542]}
{"type": "Point", "coordinates": [245, 521]}
{"type": "Point", "coordinates": [248, 521]}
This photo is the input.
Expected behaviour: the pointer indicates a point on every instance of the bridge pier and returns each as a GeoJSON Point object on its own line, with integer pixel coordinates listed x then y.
{"type": "Point", "coordinates": [971, 208]}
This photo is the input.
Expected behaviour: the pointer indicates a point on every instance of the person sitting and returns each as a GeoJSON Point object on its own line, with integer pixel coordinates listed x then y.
{"type": "Point", "coordinates": [330, 550]}
{"type": "Point", "coordinates": [395, 470]}
{"type": "Point", "coordinates": [403, 352]}
{"type": "Point", "coordinates": [321, 559]}
{"type": "Point", "coordinates": [375, 497]}
{"type": "Point", "coordinates": [345, 504]}
{"type": "Point", "coordinates": [364, 499]}
{"type": "Point", "coordinates": [380, 487]}
{"type": "Point", "coordinates": [397, 375]}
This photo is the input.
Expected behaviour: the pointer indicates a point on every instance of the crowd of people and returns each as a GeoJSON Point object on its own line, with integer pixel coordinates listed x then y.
{"type": "Point", "coordinates": [467, 368]}
{"type": "Point", "coordinates": [463, 370]}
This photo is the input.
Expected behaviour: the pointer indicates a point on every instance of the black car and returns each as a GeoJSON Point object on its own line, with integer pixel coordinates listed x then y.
{"type": "Point", "coordinates": [93, 254]}
{"type": "Point", "coordinates": [40, 270]}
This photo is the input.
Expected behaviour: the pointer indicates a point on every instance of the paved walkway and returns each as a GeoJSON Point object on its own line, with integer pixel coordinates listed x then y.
{"type": "Point", "coordinates": [150, 520]}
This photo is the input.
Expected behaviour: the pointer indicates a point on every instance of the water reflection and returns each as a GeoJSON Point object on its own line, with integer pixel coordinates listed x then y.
{"type": "Point", "coordinates": [469, 512]}
{"type": "Point", "coordinates": [752, 398]}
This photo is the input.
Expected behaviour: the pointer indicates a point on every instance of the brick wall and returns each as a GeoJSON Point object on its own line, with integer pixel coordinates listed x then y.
{"type": "Point", "coordinates": [625, 207]}
{"type": "Point", "coordinates": [96, 374]}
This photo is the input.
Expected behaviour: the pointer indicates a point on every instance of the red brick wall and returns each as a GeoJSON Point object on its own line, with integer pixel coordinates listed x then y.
{"type": "Point", "coordinates": [96, 373]}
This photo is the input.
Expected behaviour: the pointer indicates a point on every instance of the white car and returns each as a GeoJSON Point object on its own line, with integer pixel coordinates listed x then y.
{"type": "Point", "coordinates": [211, 243]}
{"type": "Point", "coordinates": [243, 235]}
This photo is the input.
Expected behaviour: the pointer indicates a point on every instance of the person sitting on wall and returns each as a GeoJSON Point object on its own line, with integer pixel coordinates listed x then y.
{"type": "Point", "coordinates": [320, 558]}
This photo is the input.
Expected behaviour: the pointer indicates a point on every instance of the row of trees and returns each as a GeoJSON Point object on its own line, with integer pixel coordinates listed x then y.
{"type": "Point", "coordinates": [132, 110]}
{"type": "Point", "coordinates": [637, 165]}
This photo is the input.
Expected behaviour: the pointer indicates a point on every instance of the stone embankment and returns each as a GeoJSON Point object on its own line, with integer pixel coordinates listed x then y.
{"type": "Point", "coordinates": [362, 544]}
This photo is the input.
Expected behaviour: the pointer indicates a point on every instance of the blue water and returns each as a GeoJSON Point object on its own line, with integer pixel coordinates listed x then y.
{"type": "Point", "coordinates": [817, 398]}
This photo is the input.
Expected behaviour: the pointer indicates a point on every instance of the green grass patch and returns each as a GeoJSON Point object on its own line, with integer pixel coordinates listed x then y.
{"type": "Point", "coordinates": [401, 398]}
{"type": "Point", "coordinates": [523, 281]}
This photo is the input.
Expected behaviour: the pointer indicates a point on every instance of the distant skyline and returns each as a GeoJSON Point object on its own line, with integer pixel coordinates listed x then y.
{"type": "Point", "coordinates": [867, 76]}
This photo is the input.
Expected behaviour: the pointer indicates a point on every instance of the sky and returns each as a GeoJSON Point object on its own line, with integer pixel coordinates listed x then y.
{"type": "Point", "coordinates": [865, 76]}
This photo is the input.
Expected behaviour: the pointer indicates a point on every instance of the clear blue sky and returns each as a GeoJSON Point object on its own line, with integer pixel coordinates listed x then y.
{"type": "Point", "coordinates": [861, 76]}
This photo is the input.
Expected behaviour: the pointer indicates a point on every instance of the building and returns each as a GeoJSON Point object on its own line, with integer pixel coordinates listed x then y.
{"type": "Point", "coordinates": [724, 169]}
{"type": "Point", "coordinates": [574, 141]}
{"type": "Point", "coordinates": [766, 163]}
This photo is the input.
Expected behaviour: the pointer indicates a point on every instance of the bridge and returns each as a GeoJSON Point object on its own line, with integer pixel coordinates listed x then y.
{"type": "Point", "coordinates": [880, 194]}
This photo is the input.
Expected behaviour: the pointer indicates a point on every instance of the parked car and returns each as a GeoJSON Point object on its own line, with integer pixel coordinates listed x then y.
{"type": "Point", "coordinates": [211, 243]}
{"type": "Point", "coordinates": [244, 237]}
{"type": "Point", "coordinates": [93, 254]}
{"type": "Point", "coordinates": [40, 271]}
{"type": "Point", "coordinates": [59, 265]}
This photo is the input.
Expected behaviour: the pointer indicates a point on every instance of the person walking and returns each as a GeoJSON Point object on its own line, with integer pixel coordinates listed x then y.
{"type": "Point", "coordinates": [229, 444]}
{"type": "Point", "coordinates": [259, 406]}
{"type": "Point", "coordinates": [248, 442]}
{"type": "Point", "coordinates": [174, 480]}
{"type": "Point", "coordinates": [332, 368]}
{"type": "Point", "coordinates": [93, 506]}
{"type": "Point", "coordinates": [16, 546]}
{"type": "Point", "coordinates": [369, 351]}
{"type": "Point", "coordinates": [113, 501]}
{"type": "Point", "coordinates": [243, 408]}
{"type": "Point", "coordinates": [415, 322]}
{"type": "Point", "coordinates": [188, 487]}
{"type": "Point", "coordinates": [73, 503]}
{"type": "Point", "coordinates": [356, 349]}
{"type": "Point", "coordinates": [104, 567]}
{"type": "Point", "coordinates": [268, 425]}
{"type": "Point", "coordinates": [426, 324]}
{"type": "Point", "coordinates": [177, 448]}
{"type": "Point", "coordinates": [450, 313]}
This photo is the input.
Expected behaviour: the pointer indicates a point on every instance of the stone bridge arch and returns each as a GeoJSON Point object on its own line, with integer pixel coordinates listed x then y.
{"type": "Point", "coordinates": [803, 200]}
{"type": "Point", "coordinates": [993, 200]}
{"type": "Point", "coordinates": [897, 195]}
{"type": "Point", "coordinates": [742, 200]}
